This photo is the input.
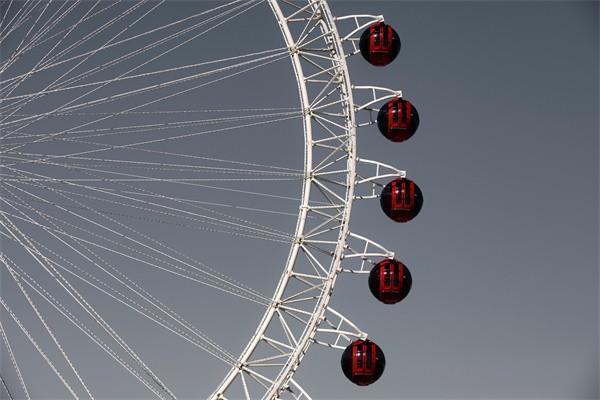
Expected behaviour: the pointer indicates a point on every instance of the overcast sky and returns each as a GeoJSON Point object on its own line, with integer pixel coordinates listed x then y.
{"type": "Point", "coordinates": [504, 255]}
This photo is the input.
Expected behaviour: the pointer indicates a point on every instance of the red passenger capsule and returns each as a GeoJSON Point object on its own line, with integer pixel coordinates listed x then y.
{"type": "Point", "coordinates": [398, 120]}
{"type": "Point", "coordinates": [401, 200]}
{"type": "Point", "coordinates": [379, 44]}
{"type": "Point", "coordinates": [363, 362]}
{"type": "Point", "coordinates": [390, 281]}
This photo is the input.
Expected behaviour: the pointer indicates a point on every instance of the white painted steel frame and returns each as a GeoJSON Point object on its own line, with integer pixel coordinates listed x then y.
{"type": "Point", "coordinates": [320, 11]}
{"type": "Point", "coordinates": [320, 324]}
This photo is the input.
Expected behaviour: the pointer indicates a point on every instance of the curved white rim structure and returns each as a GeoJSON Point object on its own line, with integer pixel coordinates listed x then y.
{"type": "Point", "coordinates": [330, 175]}
{"type": "Point", "coordinates": [330, 90]}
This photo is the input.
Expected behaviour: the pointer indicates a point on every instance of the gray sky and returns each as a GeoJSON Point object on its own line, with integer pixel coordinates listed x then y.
{"type": "Point", "coordinates": [504, 255]}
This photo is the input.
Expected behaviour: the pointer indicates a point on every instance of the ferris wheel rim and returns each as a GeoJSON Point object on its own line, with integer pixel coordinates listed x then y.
{"type": "Point", "coordinates": [330, 33]}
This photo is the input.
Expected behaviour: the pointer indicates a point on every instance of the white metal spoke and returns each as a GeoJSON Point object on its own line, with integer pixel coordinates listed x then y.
{"type": "Point", "coordinates": [37, 347]}
{"type": "Point", "coordinates": [215, 281]}
{"type": "Point", "coordinates": [82, 327]}
{"type": "Point", "coordinates": [64, 283]}
{"type": "Point", "coordinates": [14, 363]}
{"type": "Point", "coordinates": [46, 327]}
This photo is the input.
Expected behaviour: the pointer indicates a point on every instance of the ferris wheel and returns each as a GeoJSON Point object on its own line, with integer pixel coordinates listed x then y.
{"type": "Point", "coordinates": [120, 179]}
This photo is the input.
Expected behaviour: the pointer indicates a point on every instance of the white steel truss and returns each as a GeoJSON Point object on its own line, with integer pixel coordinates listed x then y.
{"type": "Point", "coordinates": [299, 314]}
{"type": "Point", "coordinates": [291, 321]}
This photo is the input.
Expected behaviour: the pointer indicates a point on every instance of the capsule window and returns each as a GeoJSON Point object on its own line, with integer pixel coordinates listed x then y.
{"type": "Point", "coordinates": [384, 32]}
{"type": "Point", "coordinates": [396, 275]}
{"type": "Point", "coordinates": [369, 357]}
{"type": "Point", "coordinates": [395, 111]}
{"type": "Point", "coordinates": [386, 275]}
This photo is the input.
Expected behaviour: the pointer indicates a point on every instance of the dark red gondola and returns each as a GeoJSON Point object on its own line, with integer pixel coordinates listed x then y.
{"type": "Point", "coordinates": [398, 120]}
{"type": "Point", "coordinates": [390, 281]}
{"type": "Point", "coordinates": [401, 200]}
{"type": "Point", "coordinates": [363, 362]}
{"type": "Point", "coordinates": [379, 44]}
